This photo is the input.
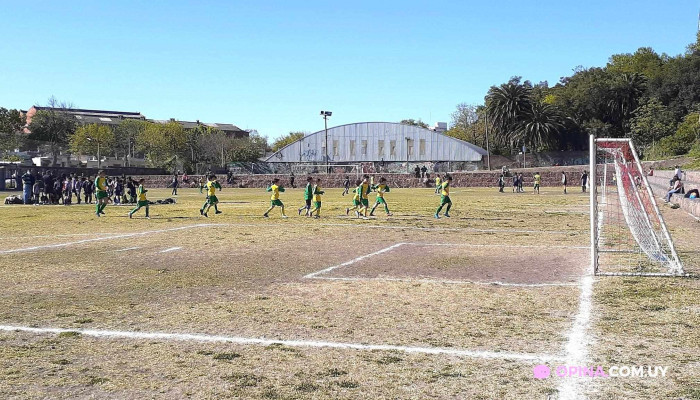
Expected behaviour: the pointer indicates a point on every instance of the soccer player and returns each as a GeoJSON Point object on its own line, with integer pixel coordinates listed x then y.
{"type": "Point", "coordinates": [356, 199]}
{"type": "Point", "coordinates": [202, 184]}
{"type": "Point", "coordinates": [101, 196]}
{"type": "Point", "coordinates": [308, 195]}
{"type": "Point", "coordinates": [142, 202]}
{"type": "Point", "coordinates": [275, 198]}
{"type": "Point", "coordinates": [365, 188]}
{"type": "Point", "coordinates": [437, 184]}
{"type": "Point", "coordinates": [538, 179]}
{"type": "Point", "coordinates": [381, 189]}
{"type": "Point", "coordinates": [563, 180]}
{"type": "Point", "coordinates": [317, 199]}
{"type": "Point", "coordinates": [520, 183]}
{"type": "Point", "coordinates": [584, 180]}
{"type": "Point", "coordinates": [212, 200]}
{"type": "Point", "coordinates": [346, 185]}
{"type": "Point", "coordinates": [445, 197]}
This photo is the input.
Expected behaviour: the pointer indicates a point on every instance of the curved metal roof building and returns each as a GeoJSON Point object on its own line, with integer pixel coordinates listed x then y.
{"type": "Point", "coordinates": [377, 141]}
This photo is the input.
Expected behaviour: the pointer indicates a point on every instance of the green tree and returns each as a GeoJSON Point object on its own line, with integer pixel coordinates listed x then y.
{"type": "Point", "coordinates": [53, 126]}
{"type": "Point", "coordinates": [125, 136]}
{"type": "Point", "coordinates": [644, 61]}
{"type": "Point", "coordinates": [92, 139]}
{"type": "Point", "coordinates": [162, 143]}
{"type": "Point", "coordinates": [539, 127]}
{"type": "Point", "coordinates": [11, 123]}
{"type": "Point", "coordinates": [414, 122]}
{"type": "Point", "coordinates": [625, 95]}
{"type": "Point", "coordinates": [651, 122]}
{"type": "Point", "coordinates": [507, 106]}
{"type": "Point", "coordinates": [287, 140]}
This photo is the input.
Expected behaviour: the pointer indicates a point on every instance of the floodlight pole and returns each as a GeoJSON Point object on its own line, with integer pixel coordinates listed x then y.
{"type": "Point", "coordinates": [488, 152]}
{"type": "Point", "coordinates": [325, 115]}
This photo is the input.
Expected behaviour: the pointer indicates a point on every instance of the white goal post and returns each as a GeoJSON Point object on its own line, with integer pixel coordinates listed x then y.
{"type": "Point", "coordinates": [628, 233]}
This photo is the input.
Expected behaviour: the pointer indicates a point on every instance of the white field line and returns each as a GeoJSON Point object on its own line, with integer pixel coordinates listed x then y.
{"type": "Point", "coordinates": [354, 260]}
{"type": "Point", "coordinates": [126, 235]}
{"type": "Point", "coordinates": [188, 337]}
{"type": "Point", "coordinates": [446, 282]}
{"type": "Point", "coordinates": [170, 249]}
{"type": "Point", "coordinates": [127, 249]}
{"type": "Point", "coordinates": [500, 245]}
{"type": "Point", "coordinates": [578, 338]}
{"type": "Point", "coordinates": [419, 228]}
{"type": "Point", "coordinates": [62, 235]}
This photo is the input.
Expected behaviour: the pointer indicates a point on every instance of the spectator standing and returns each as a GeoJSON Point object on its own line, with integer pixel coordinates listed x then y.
{"type": "Point", "coordinates": [584, 181]}
{"type": "Point", "coordinates": [174, 185]}
{"type": "Point", "coordinates": [424, 171]}
{"type": "Point", "coordinates": [77, 187]}
{"type": "Point", "coordinates": [28, 182]}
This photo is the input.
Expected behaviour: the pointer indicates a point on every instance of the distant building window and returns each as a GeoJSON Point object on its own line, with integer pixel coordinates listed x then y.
{"type": "Point", "coordinates": [380, 148]}
{"type": "Point", "coordinates": [421, 147]}
{"type": "Point", "coordinates": [335, 149]}
{"type": "Point", "coordinates": [409, 144]}
{"type": "Point", "coordinates": [392, 148]}
{"type": "Point", "coordinates": [364, 147]}
{"type": "Point", "coordinates": [352, 148]}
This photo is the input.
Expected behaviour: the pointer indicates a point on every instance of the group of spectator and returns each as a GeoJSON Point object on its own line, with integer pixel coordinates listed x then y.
{"type": "Point", "coordinates": [421, 172]}
{"type": "Point", "coordinates": [48, 188]}
{"type": "Point", "coordinates": [676, 186]}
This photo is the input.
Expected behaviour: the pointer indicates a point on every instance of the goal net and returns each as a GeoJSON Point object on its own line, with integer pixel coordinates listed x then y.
{"type": "Point", "coordinates": [628, 233]}
{"type": "Point", "coordinates": [348, 169]}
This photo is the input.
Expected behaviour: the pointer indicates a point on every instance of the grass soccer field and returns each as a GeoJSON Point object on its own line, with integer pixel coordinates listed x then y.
{"type": "Point", "coordinates": [409, 307]}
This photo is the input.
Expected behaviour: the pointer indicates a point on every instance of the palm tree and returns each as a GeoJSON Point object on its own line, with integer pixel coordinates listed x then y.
{"type": "Point", "coordinates": [539, 126]}
{"type": "Point", "coordinates": [625, 94]}
{"type": "Point", "coordinates": [507, 104]}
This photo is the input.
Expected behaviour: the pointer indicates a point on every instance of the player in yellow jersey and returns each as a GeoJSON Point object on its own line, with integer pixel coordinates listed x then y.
{"type": "Point", "coordinates": [538, 179]}
{"type": "Point", "coordinates": [275, 201]}
{"type": "Point", "coordinates": [317, 192]}
{"type": "Point", "coordinates": [365, 188]}
{"type": "Point", "coordinates": [381, 189]}
{"type": "Point", "coordinates": [438, 186]}
{"type": "Point", "coordinates": [445, 197]}
{"type": "Point", "coordinates": [212, 200]}
{"type": "Point", "coordinates": [356, 199]}
{"type": "Point", "coordinates": [141, 196]}
{"type": "Point", "coordinates": [101, 196]}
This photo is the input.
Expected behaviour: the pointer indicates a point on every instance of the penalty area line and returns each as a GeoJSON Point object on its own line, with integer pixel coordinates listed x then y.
{"type": "Point", "coordinates": [444, 281]}
{"type": "Point", "coordinates": [204, 338]}
{"type": "Point", "coordinates": [354, 260]}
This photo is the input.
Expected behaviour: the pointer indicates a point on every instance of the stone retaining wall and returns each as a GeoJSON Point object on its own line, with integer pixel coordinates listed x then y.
{"type": "Point", "coordinates": [550, 177]}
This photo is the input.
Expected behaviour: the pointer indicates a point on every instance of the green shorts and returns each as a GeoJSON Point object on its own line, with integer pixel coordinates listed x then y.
{"type": "Point", "coordinates": [276, 203]}
{"type": "Point", "coordinates": [212, 199]}
{"type": "Point", "coordinates": [142, 203]}
{"type": "Point", "coordinates": [365, 202]}
{"type": "Point", "coordinates": [317, 204]}
{"type": "Point", "coordinates": [537, 185]}
{"type": "Point", "coordinates": [356, 203]}
{"type": "Point", "coordinates": [445, 200]}
{"type": "Point", "coordinates": [380, 200]}
{"type": "Point", "coordinates": [101, 195]}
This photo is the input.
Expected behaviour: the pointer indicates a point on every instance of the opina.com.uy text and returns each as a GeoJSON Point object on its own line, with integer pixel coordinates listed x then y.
{"type": "Point", "coordinates": [617, 371]}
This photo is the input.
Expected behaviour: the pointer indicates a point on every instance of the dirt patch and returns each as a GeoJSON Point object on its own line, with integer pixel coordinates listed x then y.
{"type": "Point", "coordinates": [476, 263]}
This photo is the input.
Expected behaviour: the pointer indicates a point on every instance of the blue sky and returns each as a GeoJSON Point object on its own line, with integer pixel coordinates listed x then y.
{"type": "Point", "coordinates": [272, 66]}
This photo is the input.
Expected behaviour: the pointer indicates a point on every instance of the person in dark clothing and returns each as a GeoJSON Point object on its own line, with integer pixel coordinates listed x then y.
{"type": "Point", "coordinates": [88, 189]}
{"type": "Point", "coordinates": [417, 171]}
{"type": "Point", "coordinates": [291, 180]}
{"type": "Point", "coordinates": [131, 188]}
{"type": "Point", "coordinates": [423, 171]}
{"type": "Point", "coordinates": [174, 185]}
{"type": "Point", "coordinates": [28, 182]}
